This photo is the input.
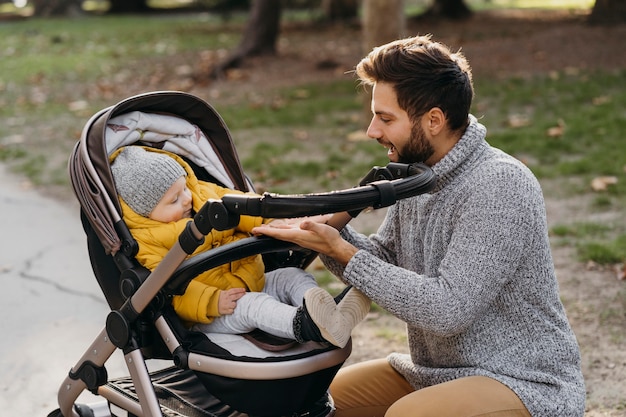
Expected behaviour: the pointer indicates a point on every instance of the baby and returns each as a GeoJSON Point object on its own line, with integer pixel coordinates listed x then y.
{"type": "Point", "coordinates": [159, 193]}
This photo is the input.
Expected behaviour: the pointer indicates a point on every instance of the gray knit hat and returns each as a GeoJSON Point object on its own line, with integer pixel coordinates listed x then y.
{"type": "Point", "coordinates": [143, 177]}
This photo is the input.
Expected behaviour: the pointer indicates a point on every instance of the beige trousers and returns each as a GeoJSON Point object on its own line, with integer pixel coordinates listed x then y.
{"type": "Point", "coordinates": [374, 389]}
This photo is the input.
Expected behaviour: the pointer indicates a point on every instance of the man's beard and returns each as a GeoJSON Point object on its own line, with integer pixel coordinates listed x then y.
{"type": "Point", "coordinates": [418, 149]}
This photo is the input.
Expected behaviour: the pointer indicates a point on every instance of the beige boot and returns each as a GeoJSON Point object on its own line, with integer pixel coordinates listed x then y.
{"type": "Point", "coordinates": [354, 306]}
{"type": "Point", "coordinates": [335, 322]}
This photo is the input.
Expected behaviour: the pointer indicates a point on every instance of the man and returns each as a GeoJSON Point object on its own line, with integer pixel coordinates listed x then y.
{"type": "Point", "coordinates": [467, 266]}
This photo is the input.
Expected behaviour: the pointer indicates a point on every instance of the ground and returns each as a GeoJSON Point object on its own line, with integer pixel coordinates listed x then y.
{"type": "Point", "coordinates": [497, 44]}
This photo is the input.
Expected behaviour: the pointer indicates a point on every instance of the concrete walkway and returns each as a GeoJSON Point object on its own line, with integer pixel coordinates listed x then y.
{"type": "Point", "coordinates": [50, 301]}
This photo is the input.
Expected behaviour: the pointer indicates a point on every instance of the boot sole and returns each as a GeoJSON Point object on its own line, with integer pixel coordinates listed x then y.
{"type": "Point", "coordinates": [354, 306]}
{"type": "Point", "coordinates": [325, 314]}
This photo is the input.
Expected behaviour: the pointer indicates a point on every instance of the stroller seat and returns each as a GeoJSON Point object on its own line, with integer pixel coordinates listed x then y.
{"type": "Point", "coordinates": [214, 375]}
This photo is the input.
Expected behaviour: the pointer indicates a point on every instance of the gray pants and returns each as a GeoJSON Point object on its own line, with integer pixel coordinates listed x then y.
{"type": "Point", "coordinates": [271, 310]}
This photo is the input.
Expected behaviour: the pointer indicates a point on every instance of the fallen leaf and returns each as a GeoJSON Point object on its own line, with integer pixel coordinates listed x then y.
{"type": "Point", "coordinates": [78, 105]}
{"type": "Point", "coordinates": [620, 271]}
{"type": "Point", "coordinates": [556, 131]}
{"type": "Point", "coordinates": [597, 101]}
{"type": "Point", "coordinates": [236, 75]}
{"type": "Point", "coordinates": [183, 70]}
{"type": "Point", "coordinates": [358, 136]}
{"type": "Point", "coordinates": [602, 183]}
{"type": "Point", "coordinates": [301, 135]}
{"type": "Point", "coordinates": [518, 120]}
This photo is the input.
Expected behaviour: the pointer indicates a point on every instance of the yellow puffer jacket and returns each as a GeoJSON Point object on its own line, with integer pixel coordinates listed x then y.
{"type": "Point", "coordinates": [199, 303]}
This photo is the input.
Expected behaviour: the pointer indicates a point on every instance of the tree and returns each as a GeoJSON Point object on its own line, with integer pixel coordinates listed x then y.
{"type": "Point", "coordinates": [448, 9]}
{"type": "Point", "coordinates": [608, 12]}
{"type": "Point", "coordinates": [128, 6]}
{"type": "Point", "coordinates": [45, 8]}
{"type": "Point", "coordinates": [260, 35]}
{"type": "Point", "coordinates": [340, 10]}
{"type": "Point", "coordinates": [383, 22]}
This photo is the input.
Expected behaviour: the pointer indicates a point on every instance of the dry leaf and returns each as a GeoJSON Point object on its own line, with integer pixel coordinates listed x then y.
{"type": "Point", "coordinates": [556, 131]}
{"type": "Point", "coordinates": [301, 135]}
{"type": "Point", "coordinates": [302, 93]}
{"type": "Point", "coordinates": [236, 75]}
{"type": "Point", "coordinates": [78, 105]}
{"type": "Point", "coordinates": [518, 120]}
{"type": "Point", "coordinates": [358, 136]}
{"type": "Point", "coordinates": [620, 271]}
{"type": "Point", "coordinates": [597, 101]}
{"type": "Point", "coordinates": [602, 183]}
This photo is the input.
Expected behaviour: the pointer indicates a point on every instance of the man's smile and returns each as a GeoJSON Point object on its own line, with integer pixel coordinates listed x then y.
{"type": "Point", "coordinates": [391, 150]}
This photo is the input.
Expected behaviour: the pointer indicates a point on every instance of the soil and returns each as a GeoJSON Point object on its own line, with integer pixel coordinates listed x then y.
{"type": "Point", "coordinates": [497, 44]}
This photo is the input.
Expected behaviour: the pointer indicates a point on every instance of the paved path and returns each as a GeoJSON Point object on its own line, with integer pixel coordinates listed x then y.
{"type": "Point", "coordinates": [50, 303]}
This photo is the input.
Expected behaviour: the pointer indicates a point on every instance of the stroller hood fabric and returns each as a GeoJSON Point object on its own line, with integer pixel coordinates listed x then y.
{"type": "Point", "coordinates": [175, 134]}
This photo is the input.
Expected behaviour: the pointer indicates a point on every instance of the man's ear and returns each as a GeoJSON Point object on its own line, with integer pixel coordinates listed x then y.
{"type": "Point", "coordinates": [435, 120]}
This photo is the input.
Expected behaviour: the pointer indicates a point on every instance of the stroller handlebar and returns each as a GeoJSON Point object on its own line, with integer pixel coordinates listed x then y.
{"type": "Point", "coordinates": [381, 187]}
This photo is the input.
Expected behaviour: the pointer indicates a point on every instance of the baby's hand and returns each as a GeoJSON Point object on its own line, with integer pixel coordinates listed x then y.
{"type": "Point", "coordinates": [228, 300]}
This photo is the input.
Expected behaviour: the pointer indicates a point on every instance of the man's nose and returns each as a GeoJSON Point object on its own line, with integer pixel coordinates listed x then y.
{"type": "Point", "coordinates": [372, 130]}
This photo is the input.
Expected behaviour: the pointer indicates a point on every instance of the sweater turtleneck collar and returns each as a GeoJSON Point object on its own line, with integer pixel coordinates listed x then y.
{"type": "Point", "coordinates": [468, 147]}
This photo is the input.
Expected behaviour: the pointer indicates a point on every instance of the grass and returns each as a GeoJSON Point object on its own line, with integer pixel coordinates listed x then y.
{"type": "Point", "coordinates": [569, 126]}
{"type": "Point", "coordinates": [566, 126]}
{"type": "Point", "coordinates": [595, 242]}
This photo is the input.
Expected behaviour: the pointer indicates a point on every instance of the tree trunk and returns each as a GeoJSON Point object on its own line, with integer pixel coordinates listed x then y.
{"type": "Point", "coordinates": [45, 8]}
{"type": "Point", "coordinates": [340, 10]}
{"type": "Point", "coordinates": [128, 6]}
{"type": "Point", "coordinates": [383, 22]}
{"type": "Point", "coordinates": [449, 9]}
{"type": "Point", "coordinates": [260, 36]}
{"type": "Point", "coordinates": [606, 12]}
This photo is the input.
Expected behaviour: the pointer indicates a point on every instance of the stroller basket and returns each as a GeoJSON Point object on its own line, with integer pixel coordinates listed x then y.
{"type": "Point", "coordinates": [178, 394]}
{"type": "Point", "coordinates": [212, 375]}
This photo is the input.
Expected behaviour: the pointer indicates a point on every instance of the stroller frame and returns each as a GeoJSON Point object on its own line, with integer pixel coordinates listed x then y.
{"type": "Point", "coordinates": [139, 296]}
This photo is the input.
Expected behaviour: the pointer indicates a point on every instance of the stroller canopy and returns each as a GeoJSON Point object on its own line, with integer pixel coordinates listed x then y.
{"type": "Point", "coordinates": [170, 120]}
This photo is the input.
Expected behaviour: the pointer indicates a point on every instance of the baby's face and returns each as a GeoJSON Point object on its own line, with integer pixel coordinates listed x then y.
{"type": "Point", "coordinates": [175, 204]}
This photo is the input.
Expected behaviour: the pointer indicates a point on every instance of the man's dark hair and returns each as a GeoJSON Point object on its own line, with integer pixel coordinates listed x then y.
{"type": "Point", "coordinates": [424, 74]}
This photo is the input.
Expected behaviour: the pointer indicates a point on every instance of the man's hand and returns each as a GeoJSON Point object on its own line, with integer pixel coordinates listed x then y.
{"type": "Point", "coordinates": [309, 234]}
{"type": "Point", "coordinates": [228, 300]}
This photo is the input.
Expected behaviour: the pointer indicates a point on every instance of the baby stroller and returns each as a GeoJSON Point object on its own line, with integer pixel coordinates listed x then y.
{"type": "Point", "coordinates": [221, 376]}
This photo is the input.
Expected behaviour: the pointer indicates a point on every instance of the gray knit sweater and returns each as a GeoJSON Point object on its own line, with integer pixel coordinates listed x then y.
{"type": "Point", "coordinates": [468, 268]}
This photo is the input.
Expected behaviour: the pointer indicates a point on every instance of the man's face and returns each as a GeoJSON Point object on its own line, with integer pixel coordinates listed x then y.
{"type": "Point", "coordinates": [405, 140]}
